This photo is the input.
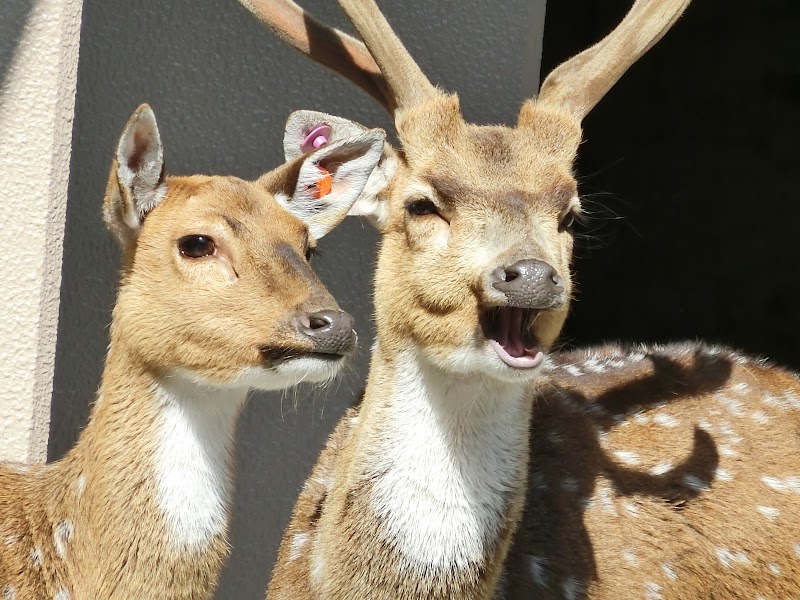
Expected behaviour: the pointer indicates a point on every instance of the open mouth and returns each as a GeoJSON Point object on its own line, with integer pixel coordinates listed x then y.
{"type": "Point", "coordinates": [508, 330]}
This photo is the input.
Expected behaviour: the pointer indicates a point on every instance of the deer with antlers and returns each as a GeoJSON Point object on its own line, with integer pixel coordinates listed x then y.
{"type": "Point", "coordinates": [216, 298]}
{"type": "Point", "coordinates": [421, 492]}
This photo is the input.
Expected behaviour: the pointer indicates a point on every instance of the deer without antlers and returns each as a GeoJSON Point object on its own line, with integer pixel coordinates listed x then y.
{"type": "Point", "coordinates": [216, 298]}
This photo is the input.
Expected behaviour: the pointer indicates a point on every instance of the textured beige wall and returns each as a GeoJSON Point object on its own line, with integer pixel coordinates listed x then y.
{"type": "Point", "coordinates": [39, 51]}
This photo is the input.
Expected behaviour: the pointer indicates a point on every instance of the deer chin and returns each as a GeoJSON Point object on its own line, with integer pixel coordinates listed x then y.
{"type": "Point", "coordinates": [508, 331]}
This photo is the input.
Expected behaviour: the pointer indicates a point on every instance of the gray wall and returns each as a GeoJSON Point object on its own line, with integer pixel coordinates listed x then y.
{"type": "Point", "coordinates": [221, 87]}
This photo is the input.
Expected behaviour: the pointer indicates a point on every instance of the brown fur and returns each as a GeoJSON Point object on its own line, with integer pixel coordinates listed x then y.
{"type": "Point", "coordinates": [662, 472]}
{"type": "Point", "coordinates": [501, 195]}
{"type": "Point", "coordinates": [90, 525]}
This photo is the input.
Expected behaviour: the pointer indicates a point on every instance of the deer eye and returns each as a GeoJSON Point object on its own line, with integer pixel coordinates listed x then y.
{"type": "Point", "coordinates": [196, 246]}
{"type": "Point", "coordinates": [419, 208]}
{"type": "Point", "coordinates": [568, 222]}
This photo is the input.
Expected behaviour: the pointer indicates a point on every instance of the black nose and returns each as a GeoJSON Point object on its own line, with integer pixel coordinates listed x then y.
{"type": "Point", "coordinates": [331, 331]}
{"type": "Point", "coordinates": [530, 284]}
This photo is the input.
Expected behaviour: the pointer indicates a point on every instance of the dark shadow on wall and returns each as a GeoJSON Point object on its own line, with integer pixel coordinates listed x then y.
{"type": "Point", "coordinates": [689, 172]}
{"type": "Point", "coordinates": [12, 23]}
{"type": "Point", "coordinates": [221, 87]}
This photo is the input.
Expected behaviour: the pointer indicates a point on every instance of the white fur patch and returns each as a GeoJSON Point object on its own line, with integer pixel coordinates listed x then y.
{"type": "Point", "coordinates": [192, 462]}
{"type": "Point", "coordinates": [62, 536]}
{"type": "Point", "coordinates": [299, 541]}
{"type": "Point", "coordinates": [669, 572]}
{"type": "Point", "coordinates": [451, 453]}
{"type": "Point", "coordinates": [661, 468]}
{"type": "Point", "coordinates": [9, 592]}
{"type": "Point", "coordinates": [769, 512]}
{"type": "Point", "coordinates": [730, 559]}
{"type": "Point", "coordinates": [61, 594]}
{"type": "Point", "coordinates": [537, 566]}
{"type": "Point", "coordinates": [627, 457]}
{"type": "Point", "coordinates": [81, 485]}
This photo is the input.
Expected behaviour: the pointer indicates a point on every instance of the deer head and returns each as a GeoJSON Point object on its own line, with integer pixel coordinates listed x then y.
{"type": "Point", "coordinates": [216, 282]}
{"type": "Point", "coordinates": [474, 267]}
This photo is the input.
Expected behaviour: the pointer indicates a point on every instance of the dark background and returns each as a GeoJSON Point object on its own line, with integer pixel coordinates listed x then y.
{"type": "Point", "coordinates": [689, 169]}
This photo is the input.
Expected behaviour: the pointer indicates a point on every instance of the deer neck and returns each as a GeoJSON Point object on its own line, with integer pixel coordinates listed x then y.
{"type": "Point", "coordinates": [154, 465]}
{"type": "Point", "coordinates": [448, 457]}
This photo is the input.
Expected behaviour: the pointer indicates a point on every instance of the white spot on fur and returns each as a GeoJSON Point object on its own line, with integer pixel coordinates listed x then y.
{"type": "Point", "coordinates": [774, 569]}
{"type": "Point", "coordinates": [10, 540]}
{"type": "Point", "coordinates": [652, 591]}
{"type": "Point", "coordinates": [669, 572]}
{"type": "Point", "coordinates": [603, 494]}
{"type": "Point", "coordinates": [571, 588]}
{"type": "Point", "coordinates": [729, 559]}
{"type": "Point", "coordinates": [723, 475]}
{"type": "Point", "coordinates": [726, 450]}
{"type": "Point", "coordinates": [299, 540]}
{"type": "Point", "coordinates": [666, 420]}
{"type": "Point", "coordinates": [36, 557]}
{"type": "Point", "coordinates": [61, 594]}
{"type": "Point", "coordinates": [569, 484]}
{"type": "Point", "coordinates": [62, 536]}
{"type": "Point", "coordinates": [9, 592]}
{"type": "Point", "coordinates": [733, 406]}
{"type": "Point", "coordinates": [450, 453]}
{"type": "Point", "coordinates": [630, 557]}
{"type": "Point", "coordinates": [705, 425]}
{"type": "Point", "coordinates": [641, 418]}
{"type": "Point", "coordinates": [776, 484]}
{"type": "Point", "coordinates": [797, 550]}
{"type": "Point", "coordinates": [631, 508]}
{"type": "Point", "coordinates": [694, 483]}
{"type": "Point", "coordinates": [354, 421]}
{"type": "Point", "coordinates": [81, 485]}
{"type": "Point", "coordinates": [626, 457]}
{"type": "Point", "coordinates": [769, 512]}
{"type": "Point", "coordinates": [661, 468]}
{"type": "Point", "coordinates": [193, 454]}
{"type": "Point", "coordinates": [538, 481]}
{"type": "Point", "coordinates": [573, 370]}
{"type": "Point", "coordinates": [740, 388]}
{"type": "Point", "coordinates": [593, 366]}
{"type": "Point", "coordinates": [759, 417]}
{"type": "Point", "coordinates": [537, 565]}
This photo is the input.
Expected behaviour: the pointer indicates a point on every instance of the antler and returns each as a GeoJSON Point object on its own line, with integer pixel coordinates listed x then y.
{"type": "Point", "coordinates": [581, 82]}
{"type": "Point", "coordinates": [406, 80]}
{"type": "Point", "coordinates": [329, 47]}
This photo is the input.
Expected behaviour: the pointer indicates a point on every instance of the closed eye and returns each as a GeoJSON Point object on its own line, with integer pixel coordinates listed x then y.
{"type": "Point", "coordinates": [311, 251]}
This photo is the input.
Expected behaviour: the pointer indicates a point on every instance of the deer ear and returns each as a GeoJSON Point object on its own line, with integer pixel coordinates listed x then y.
{"type": "Point", "coordinates": [136, 182]}
{"type": "Point", "coordinates": [308, 130]}
{"type": "Point", "coordinates": [331, 179]}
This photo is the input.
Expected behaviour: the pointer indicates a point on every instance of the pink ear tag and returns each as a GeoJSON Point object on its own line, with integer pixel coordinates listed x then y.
{"type": "Point", "coordinates": [316, 139]}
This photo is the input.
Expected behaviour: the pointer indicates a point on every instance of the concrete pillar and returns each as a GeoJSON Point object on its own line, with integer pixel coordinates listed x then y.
{"type": "Point", "coordinates": [39, 42]}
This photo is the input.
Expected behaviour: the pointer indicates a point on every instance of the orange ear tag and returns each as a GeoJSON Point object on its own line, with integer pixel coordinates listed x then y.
{"type": "Point", "coordinates": [323, 185]}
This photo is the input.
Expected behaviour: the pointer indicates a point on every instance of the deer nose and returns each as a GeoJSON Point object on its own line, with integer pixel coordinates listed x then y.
{"type": "Point", "coordinates": [530, 284]}
{"type": "Point", "coordinates": [331, 331]}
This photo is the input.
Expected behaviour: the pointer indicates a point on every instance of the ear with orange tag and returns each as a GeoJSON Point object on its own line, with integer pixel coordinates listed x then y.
{"type": "Point", "coordinates": [323, 185]}
{"type": "Point", "coordinates": [328, 180]}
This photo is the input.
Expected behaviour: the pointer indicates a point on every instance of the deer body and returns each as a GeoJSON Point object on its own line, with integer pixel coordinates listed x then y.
{"type": "Point", "coordinates": [216, 298]}
{"type": "Point", "coordinates": [661, 472]}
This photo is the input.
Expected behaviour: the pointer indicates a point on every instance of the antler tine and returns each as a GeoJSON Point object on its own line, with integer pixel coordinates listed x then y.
{"type": "Point", "coordinates": [580, 83]}
{"type": "Point", "coordinates": [327, 46]}
{"type": "Point", "coordinates": [406, 80]}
